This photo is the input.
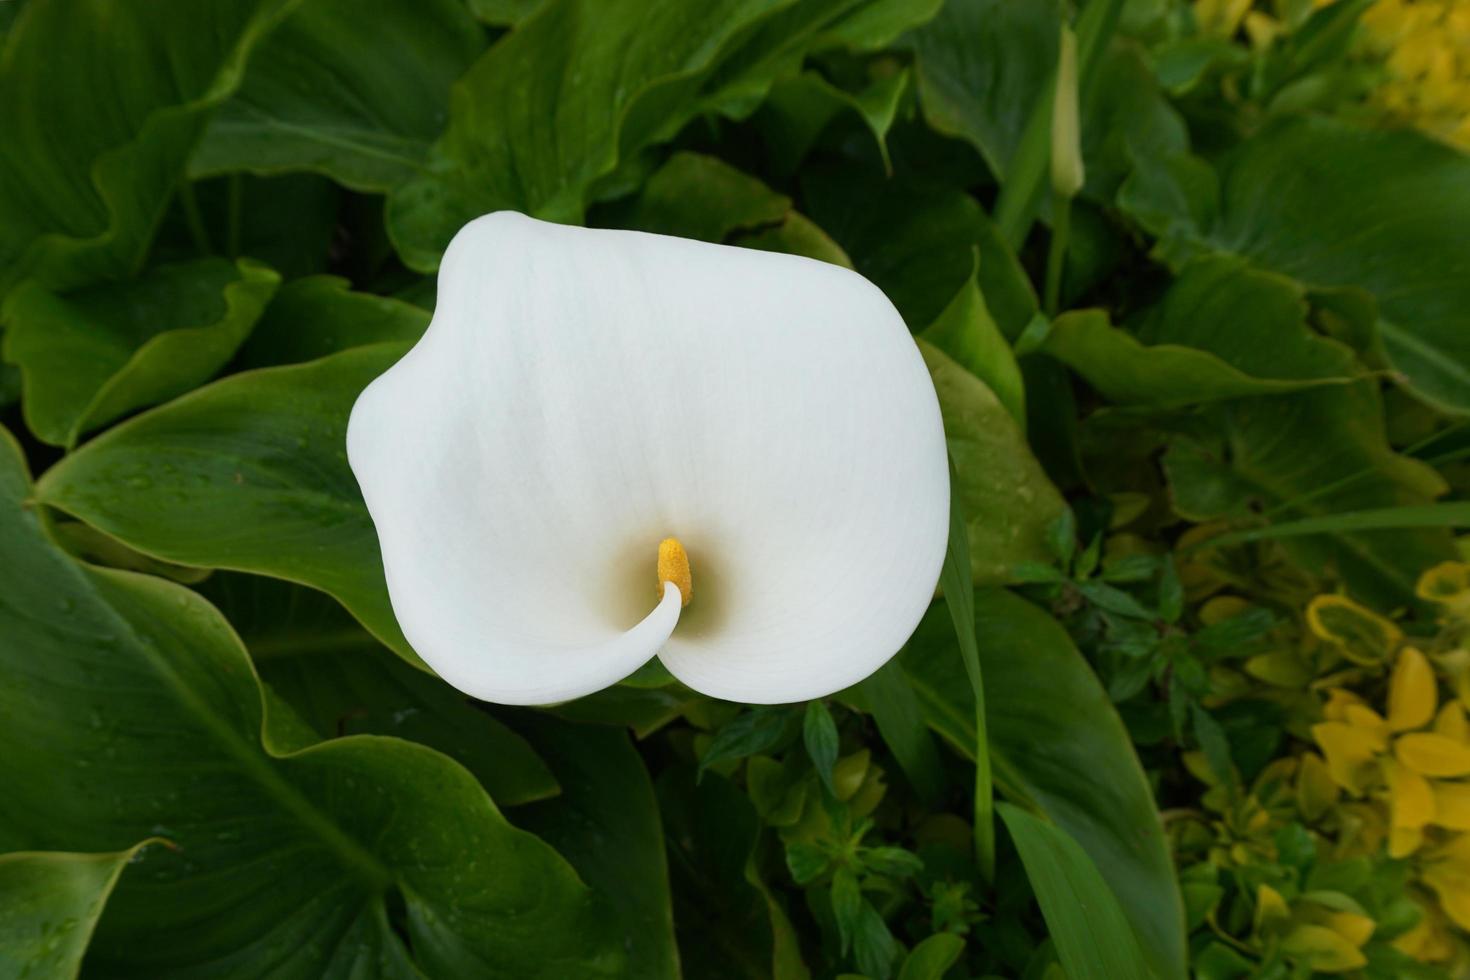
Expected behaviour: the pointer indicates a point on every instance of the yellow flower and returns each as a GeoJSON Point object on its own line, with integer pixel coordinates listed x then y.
{"type": "Point", "coordinates": [1448, 583]}
{"type": "Point", "coordinates": [1358, 634]}
{"type": "Point", "coordinates": [1396, 759]}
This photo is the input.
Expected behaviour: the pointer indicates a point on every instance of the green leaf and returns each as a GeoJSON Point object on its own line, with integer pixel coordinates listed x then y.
{"type": "Point", "coordinates": [320, 315]}
{"type": "Point", "coordinates": [933, 957]}
{"type": "Point", "coordinates": [728, 924]}
{"type": "Point", "coordinates": [248, 474]}
{"type": "Point", "coordinates": [1332, 205]}
{"type": "Point", "coordinates": [981, 65]}
{"type": "Point", "coordinates": [643, 709]}
{"type": "Point", "coordinates": [1309, 454]}
{"type": "Point", "coordinates": [1093, 938]}
{"type": "Point", "coordinates": [819, 734]}
{"type": "Point", "coordinates": [958, 586]}
{"type": "Point", "coordinates": [873, 945]}
{"type": "Point", "coordinates": [504, 13]}
{"type": "Point", "coordinates": [1057, 744]}
{"type": "Point", "coordinates": [341, 681]}
{"type": "Point", "coordinates": [580, 87]}
{"type": "Point", "coordinates": [697, 196]}
{"type": "Point", "coordinates": [354, 89]}
{"type": "Point", "coordinates": [91, 356]}
{"type": "Point", "coordinates": [887, 695]}
{"type": "Point", "coordinates": [49, 904]}
{"type": "Point", "coordinates": [847, 905]}
{"type": "Point", "coordinates": [966, 332]}
{"type": "Point", "coordinates": [606, 822]}
{"type": "Point", "coordinates": [1127, 372]}
{"type": "Point", "coordinates": [87, 177]}
{"type": "Point", "coordinates": [917, 242]}
{"type": "Point", "coordinates": [1006, 498]}
{"type": "Point", "coordinates": [1447, 514]}
{"type": "Point", "coordinates": [798, 109]}
{"type": "Point", "coordinates": [760, 729]}
{"type": "Point", "coordinates": [137, 713]}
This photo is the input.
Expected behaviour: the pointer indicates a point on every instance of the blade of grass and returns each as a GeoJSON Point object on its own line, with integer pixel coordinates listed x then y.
{"type": "Point", "coordinates": [1455, 513]}
{"type": "Point", "coordinates": [959, 597]}
{"type": "Point", "coordinates": [1092, 935]}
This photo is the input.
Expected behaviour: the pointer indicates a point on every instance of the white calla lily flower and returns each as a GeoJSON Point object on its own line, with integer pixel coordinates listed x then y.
{"type": "Point", "coordinates": [612, 445]}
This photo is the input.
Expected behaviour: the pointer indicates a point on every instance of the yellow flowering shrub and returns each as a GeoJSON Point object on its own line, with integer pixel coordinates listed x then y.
{"type": "Point", "coordinates": [1374, 808]}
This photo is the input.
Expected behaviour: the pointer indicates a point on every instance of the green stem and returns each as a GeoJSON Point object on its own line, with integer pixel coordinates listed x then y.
{"type": "Point", "coordinates": [194, 218]}
{"type": "Point", "coordinates": [959, 597]}
{"type": "Point", "coordinates": [1056, 254]}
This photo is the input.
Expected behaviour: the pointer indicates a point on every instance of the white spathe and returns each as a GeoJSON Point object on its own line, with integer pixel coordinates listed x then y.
{"type": "Point", "coordinates": [583, 394]}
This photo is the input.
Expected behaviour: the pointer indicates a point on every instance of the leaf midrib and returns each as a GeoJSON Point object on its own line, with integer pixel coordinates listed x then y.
{"type": "Point", "coordinates": [250, 758]}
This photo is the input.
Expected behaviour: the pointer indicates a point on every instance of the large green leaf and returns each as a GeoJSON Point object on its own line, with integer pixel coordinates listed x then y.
{"type": "Point", "coordinates": [131, 710]}
{"type": "Point", "coordinates": [93, 355]}
{"type": "Point", "coordinates": [49, 904]}
{"type": "Point", "coordinates": [341, 681]}
{"type": "Point", "coordinates": [1006, 498]}
{"type": "Point", "coordinates": [355, 89]}
{"type": "Point", "coordinates": [250, 474]}
{"type": "Point", "coordinates": [1129, 372]}
{"type": "Point", "coordinates": [1308, 454]}
{"type": "Point", "coordinates": [103, 104]}
{"type": "Point", "coordinates": [917, 242]}
{"type": "Point", "coordinates": [313, 317]}
{"type": "Point", "coordinates": [1331, 205]}
{"type": "Point", "coordinates": [697, 196]}
{"type": "Point", "coordinates": [981, 66]}
{"type": "Point", "coordinates": [557, 103]}
{"type": "Point", "coordinates": [606, 822]}
{"type": "Point", "coordinates": [728, 924]}
{"type": "Point", "coordinates": [1059, 747]}
{"type": "Point", "coordinates": [1092, 935]}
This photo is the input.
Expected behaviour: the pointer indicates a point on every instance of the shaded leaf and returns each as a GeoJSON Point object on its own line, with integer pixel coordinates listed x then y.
{"type": "Point", "coordinates": [606, 822]}
{"type": "Point", "coordinates": [49, 904]}
{"type": "Point", "coordinates": [313, 317]}
{"type": "Point", "coordinates": [1057, 744]}
{"type": "Point", "coordinates": [179, 741]}
{"type": "Point", "coordinates": [249, 474]}
{"type": "Point", "coordinates": [1093, 937]}
{"type": "Point", "coordinates": [355, 89]}
{"type": "Point", "coordinates": [84, 179]}
{"type": "Point", "coordinates": [341, 681]}
{"type": "Point", "coordinates": [1006, 498]}
{"type": "Point", "coordinates": [1127, 372]}
{"type": "Point", "coordinates": [917, 242]}
{"type": "Point", "coordinates": [91, 356]}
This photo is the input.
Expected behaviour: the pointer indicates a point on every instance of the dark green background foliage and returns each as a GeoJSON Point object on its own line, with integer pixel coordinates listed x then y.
{"type": "Point", "coordinates": [219, 221]}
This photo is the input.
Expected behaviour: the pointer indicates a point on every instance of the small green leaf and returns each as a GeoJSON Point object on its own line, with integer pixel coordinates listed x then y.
{"type": "Point", "coordinates": [819, 732]}
{"type": "Point", "coordinates": [759, 729]}
{"type": "Point", "coordinates": [892, 861]}
{"type": "Point", "coordinates": [966, 332]}
{"type": "Point", "coordinates": [873, 945]}
{"type": "Point", "coordinates": [1093, 938]}
{"type": "Point", "coordinates": [847, 905]}
{"type": "Point", "coordinates": [806, 862]}
{"type": "Point", "coordinates": [933, 957]}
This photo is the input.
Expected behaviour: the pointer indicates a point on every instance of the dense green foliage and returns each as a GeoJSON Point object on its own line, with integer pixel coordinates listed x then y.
{"type": "Point", "coordinates": [1191, 700]}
